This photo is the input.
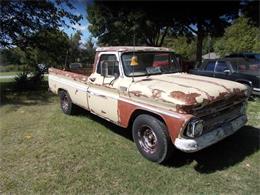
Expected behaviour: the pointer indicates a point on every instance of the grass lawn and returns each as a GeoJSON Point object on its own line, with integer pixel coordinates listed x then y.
{"type": "Point", "coordinates": [44, 151]}
{"type": "Point", "coordinates": [8, 73]}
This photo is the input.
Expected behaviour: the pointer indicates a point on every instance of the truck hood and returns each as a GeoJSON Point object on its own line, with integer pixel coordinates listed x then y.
{"type": "Point", "coordinates": [182, 89]}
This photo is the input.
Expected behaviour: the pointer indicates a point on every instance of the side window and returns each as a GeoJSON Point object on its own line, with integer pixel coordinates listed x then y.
{"type": "Point", "coordinates": [109, 63]}
{"type": "Point", "coordinates": [210, 66]}
{"type": "Point", "coordinates": [221, 67]}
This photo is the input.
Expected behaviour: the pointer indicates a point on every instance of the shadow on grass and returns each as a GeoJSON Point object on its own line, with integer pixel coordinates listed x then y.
{"type": "Point", "coordinates": [220, 156]}
{"type": "Point", "coordinates": [126, 133]}
{"type": "Point", "coordinates": [8, 95]}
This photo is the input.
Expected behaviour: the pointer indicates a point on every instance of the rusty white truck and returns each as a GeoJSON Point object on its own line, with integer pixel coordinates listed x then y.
{"type": "Point", "coordinates": [142, 89]}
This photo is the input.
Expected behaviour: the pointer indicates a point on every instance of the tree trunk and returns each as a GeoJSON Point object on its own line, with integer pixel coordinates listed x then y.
{"type": "Point", "coordinates": [199, 43]}
{"type": "Point", "coordinates": [163, 36]}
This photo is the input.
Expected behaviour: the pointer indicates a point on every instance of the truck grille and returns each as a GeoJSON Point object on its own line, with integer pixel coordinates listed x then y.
{"type": "Point", "coordinates": [215, 115]}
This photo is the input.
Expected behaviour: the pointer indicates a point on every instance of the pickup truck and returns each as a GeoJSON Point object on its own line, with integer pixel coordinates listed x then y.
{"type": "Point", "coordinates": [164, 108]}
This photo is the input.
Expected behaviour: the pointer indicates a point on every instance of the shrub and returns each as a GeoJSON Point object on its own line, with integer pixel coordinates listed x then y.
{"type": "Point", "coordinates": [28, 81]}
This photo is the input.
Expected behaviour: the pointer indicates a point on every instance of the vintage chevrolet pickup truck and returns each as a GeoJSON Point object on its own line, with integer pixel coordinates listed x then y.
{"type": "Point", "coordinates": [142, 88]}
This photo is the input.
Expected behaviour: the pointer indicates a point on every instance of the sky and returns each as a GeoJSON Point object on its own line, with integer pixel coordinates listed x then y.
{"type": "Point", "coordinates": [80, 8]}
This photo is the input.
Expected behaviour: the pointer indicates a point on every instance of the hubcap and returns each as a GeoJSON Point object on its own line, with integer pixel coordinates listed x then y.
{"type": "Point", "coordinates": [65, 103]}
{"type": "Point", "coordinates": [147, 139]}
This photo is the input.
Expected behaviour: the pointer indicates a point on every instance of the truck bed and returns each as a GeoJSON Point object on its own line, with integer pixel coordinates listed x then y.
{"type": "Point", "coordinates": [80, 75]}
{"type": "Point", "coordinates": [73, 81]}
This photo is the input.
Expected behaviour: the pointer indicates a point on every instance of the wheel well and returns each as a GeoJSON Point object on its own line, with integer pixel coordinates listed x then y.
{"type": "Point", "coordinates": [138, 112]}
{"type": "Point", "coordinates": [246, 82]}
{"type": "Point", "coordinates": [60, 90]}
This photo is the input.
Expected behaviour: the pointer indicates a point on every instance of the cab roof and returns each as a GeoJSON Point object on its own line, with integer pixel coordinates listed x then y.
{"type": "Point", "coordinates": [132, 48]}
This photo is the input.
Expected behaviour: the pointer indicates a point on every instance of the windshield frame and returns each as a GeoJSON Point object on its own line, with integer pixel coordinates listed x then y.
{"type": "Point", "coordinates": [157, 52]}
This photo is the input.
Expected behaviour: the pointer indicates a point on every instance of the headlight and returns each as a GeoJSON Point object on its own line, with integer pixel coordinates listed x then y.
{"type": "Point", "coordinates": [194, 128]}
{"type": "Point", "coordinates": [248, 91]}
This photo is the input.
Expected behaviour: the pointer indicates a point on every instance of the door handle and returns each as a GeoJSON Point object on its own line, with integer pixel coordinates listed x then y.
{"type": "Point", "coordinates": [92, 79]}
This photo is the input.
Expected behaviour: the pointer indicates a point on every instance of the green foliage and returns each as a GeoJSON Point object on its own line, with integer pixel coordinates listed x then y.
{"type": "Point", "coordinates": [124, 23]}
{"type": "Point", "coordinates": [12, 56]}
{"type": "Point", "coordinates": [88, 52]}
{"type": "Point", "coordinates": [181, 45]}
{"type": "Point", "coordinates": [241, 36]}
{"type": "Point", "coordinates": [51, 47]}
{"type": "Point", "coordinates": [116, 24]}
{"type": "Point", "coordinates": [73, 49]}
{"type": "Point", "coordinates": [25, 81]}
{"type": "Point", "coordinates": [20, 20]}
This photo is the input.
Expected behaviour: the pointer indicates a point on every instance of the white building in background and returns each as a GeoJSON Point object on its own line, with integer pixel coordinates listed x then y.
{"type": "Point", "coordinates": [211, 55]}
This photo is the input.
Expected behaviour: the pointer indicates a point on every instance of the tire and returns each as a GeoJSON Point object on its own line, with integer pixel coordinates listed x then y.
{"type": "Point", "coordinates": [151, 138]}
{"type": "Point", "coordinates": [66, 104]}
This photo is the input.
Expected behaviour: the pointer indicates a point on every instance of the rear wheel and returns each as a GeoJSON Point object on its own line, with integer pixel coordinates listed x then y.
{"type": "Point", "coordinates": [151, 138]}
{"type": "Point", "coordinates": [66, 104]}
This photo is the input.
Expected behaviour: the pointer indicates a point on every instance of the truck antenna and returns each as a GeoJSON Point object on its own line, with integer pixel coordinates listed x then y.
{"type": "Point", "coordinates": [134, 61]}
{"type": "Point", "coordinates": [133, 56]}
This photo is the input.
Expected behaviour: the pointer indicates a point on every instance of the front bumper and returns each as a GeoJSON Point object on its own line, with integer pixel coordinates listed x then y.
{"type": "Point", "coordinates": [196, 144]}
{"type": "Point", "coordinates": [256, 91]}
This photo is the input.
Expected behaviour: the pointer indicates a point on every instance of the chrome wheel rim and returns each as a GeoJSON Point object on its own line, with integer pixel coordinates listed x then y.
{"type": "Point", "coordinates": [65, 103]}
{"type": "Point", "coordinates": [147, 139]}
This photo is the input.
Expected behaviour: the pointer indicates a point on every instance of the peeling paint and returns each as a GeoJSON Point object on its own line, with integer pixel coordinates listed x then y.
{"type": "Point", "coordinates": [188, 98]}
{"type": "Point", "coordinates": [156, 93]}
{"type": "Point", "coordinates": [131, 48]}
{"type": "Point", "coordinates": [137, 94]}
{"type": "Point", "coordinates": [74, 76]}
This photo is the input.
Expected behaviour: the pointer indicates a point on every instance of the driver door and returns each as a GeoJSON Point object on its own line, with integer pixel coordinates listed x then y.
{"type": "Point", "coordinates": [103, 91]}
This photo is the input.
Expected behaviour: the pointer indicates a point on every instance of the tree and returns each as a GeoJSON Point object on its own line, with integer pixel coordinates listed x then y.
{"type": "Point", "coordinates": [115, 23]}
{"type": "Point", "coordinates": [181, 45]}
{"type": "Point", "coordinates": [12, 56]}
{"type": "Point", "coordinates": [241, 36]}
{"type": "Point", "coordinates": [123, 23]}
{"type": "Point", "coordinates": [74, 50]}
{"type": "Point", "coordinates": [51, 46]}
{"type": "Point", "coordinates": [210, 21]}
{"type": "Point", "coordinates": [88, 52]}
{"type": "Point", "coordinates": [20, 20]}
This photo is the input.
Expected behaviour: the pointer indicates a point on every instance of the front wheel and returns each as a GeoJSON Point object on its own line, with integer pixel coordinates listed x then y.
{"type": "Point", "coordinates": [151, 138]}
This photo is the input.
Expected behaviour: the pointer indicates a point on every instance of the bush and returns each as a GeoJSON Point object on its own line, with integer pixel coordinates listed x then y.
{"type": "Point", "coordinates": [25, 81]}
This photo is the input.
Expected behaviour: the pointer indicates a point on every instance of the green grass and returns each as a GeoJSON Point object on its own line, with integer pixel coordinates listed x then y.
{"type": "Point", "coordinates": [13, 68]}
{"type": "Point", "coordinates": [44, 151]}
{"type": "Point", "coordinates": [6, 80]}
{"type": "Point", "coordinates": [9, 73]}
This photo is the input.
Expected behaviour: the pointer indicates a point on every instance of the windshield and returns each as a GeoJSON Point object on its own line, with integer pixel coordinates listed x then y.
{"type": "Point", "coordinates": [150, 63]}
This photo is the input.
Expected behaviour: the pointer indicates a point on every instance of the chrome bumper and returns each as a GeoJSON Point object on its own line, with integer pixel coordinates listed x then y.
{"type": "Point", "coordinates": [256, 91]}
{"type": "Point", "coordinates": [196, 144]}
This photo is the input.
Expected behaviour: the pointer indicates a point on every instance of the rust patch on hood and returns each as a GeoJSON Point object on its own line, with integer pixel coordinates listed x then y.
{"type": "Point", "coordinates": [156, 93]}
{"type": "Point", "coordinates": [189, 98]}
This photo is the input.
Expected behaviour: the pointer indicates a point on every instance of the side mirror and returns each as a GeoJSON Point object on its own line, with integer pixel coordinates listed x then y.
{"type": "Point", "coordinates": [227, 72]}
